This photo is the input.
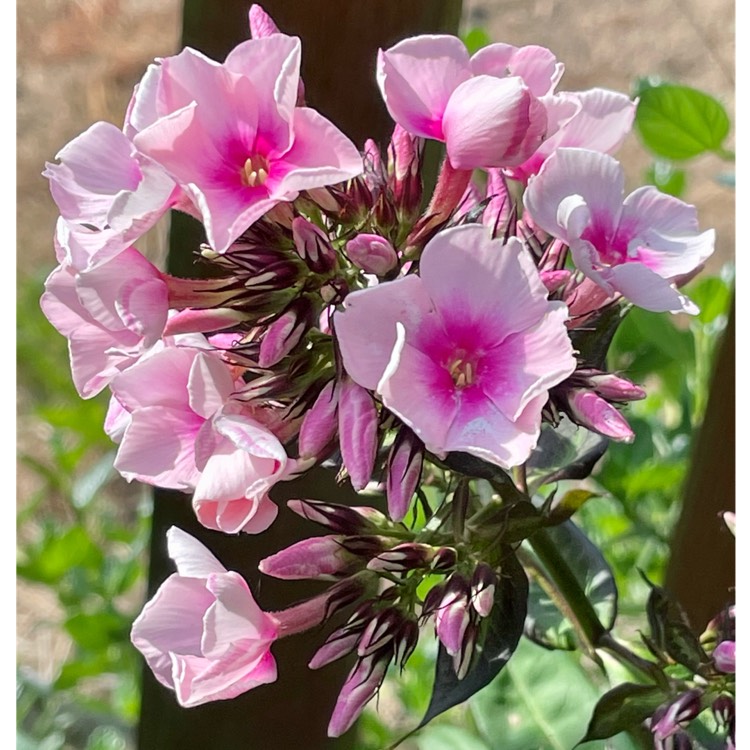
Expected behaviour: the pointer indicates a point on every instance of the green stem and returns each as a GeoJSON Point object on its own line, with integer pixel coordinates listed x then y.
{"type": "Point", "coordinates": [565, 580]}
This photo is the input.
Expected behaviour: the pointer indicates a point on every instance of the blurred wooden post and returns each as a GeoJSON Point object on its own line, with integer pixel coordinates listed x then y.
{"type": "Point", "coordinates": [340, 39]}
{"type": "Point", "coordinates": [702, 566]}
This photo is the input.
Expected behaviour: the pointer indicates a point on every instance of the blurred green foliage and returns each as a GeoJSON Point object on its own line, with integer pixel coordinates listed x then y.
{"type": "Point", "coordinates": [82, 534]}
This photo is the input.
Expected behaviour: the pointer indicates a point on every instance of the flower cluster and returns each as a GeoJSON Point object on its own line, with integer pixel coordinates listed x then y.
{"type": "Point", "coordinates": [341, 314]}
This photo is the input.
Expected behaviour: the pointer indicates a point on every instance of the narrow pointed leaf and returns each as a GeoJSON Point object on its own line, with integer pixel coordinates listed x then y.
{"type": "Point", "coordinates": [623, 708]}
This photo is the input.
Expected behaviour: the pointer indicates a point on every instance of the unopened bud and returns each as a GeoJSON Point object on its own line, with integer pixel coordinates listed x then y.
{"type": "Point", "coordinates": [358, 432]}
{"type": "Point", "coordinates": [463, 658]}
{"type": "Point", "coordinates": [445, 559]}
{"type": "Point", "coordinates": [483, 584]}
{"type": "Point", "coordinates": [554, 280]}
{"type": "Point", "coordinates": [406, 556]}
{"type": "Point", "coordinates": [381, 629]}
{"type": "Point", "coordinates": [614, 388]}
{"type": "Point", "coordinates": [668, 718]}
{"type": "Point", "coordinates": [341, 519]}
{"type": "Point", "coordinates": [319, 424]}
{"type": "Point", "coordinates": [320, 558]}
{"type": "Point", "coordinates": [404, 472]}
{"type": "Point", "coordinates": [340, 643]}
{"type": "Point", "coordinates": [404, 171]}
{"type": "Point", "coordinates": [432, 600]}
{"type": "Point", "coordinates": [360, 686]}
{"type": "Point", "coordinates": [452, 615]}
{"type": "Point", "coordinates": [724, 658]}
{"type": "Point", "coordinates": [372, 253]}
{"type": "Point", "coordinates": [589, 410]}
{"type": "Point", "coordinates": [497, 212]}
{"type": "Point", "coordinates": [406, 640]}
{"type": "Point", "coordinates": [285, 333]}
{"type": "Point", "coordinates": [367, 545]}
{"type": "Point", "coordinates": [313, 245]}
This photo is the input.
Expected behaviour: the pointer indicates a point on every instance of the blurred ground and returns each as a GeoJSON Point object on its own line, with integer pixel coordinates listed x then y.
{"type": "Point", "coordinates": [78, 61]}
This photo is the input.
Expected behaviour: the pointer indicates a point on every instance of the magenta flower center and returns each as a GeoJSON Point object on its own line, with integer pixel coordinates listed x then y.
{"type": "Point", "coordinates": [255, 171]}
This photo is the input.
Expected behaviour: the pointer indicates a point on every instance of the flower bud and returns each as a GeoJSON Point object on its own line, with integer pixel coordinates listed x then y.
{"type": "Point", "coordinates": [589, 410]}
{"type": "Point", "coordinates": [379, 631]}
{"type": "Point", "coordinates": [340, 643]}
{"type": "Point", "coordinates": [361, 685]}
{"type": "Point", "coordinates": [404, 472]}
{"type": "Point", "coordinates": [358, 432]}
{"type": "Point", "coordinates": [404, 171]}
{"type": "Point", "coordinates": [483, 584]}
{"type": "Point", "coordinates": [372, 253]}
{"type": "Point", "coordinates": [367, 545]}
{"type": "Point", "coordinates": [432, 600]}
{"type": "Point", "coordinates": [445, 559]}
{"type": "Point", "coordinates": [452, 615]}
{"type": "Point", "coordinates": [724, 657]}
{"type": "Point", "coordinates": [285, 333]}
{"type": "Point", "coordinates": [463, 658]}
{"type": "Point", "coordinates": [321, 557]}
{"type": "Point", "coordinates": [614, 388]}
{"type": "Point", "coordinates": [498, 209]}
{"type": "Point", "coordinates": [668, 718]}
{"type": "Point", "coordinates": [406, 556]}
{"type": "Point", "coordinates": [313, 245]}
{"type": "Point", "coordinates": [341, 519]}
{"type": "Point", "coordinates": [319, 424]}
{"type": "Point", "coordinates": [405, 640]}
{"type": "Point", "coordinates": [554, 280]}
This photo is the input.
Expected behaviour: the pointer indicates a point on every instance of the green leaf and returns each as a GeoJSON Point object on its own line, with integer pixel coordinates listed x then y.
{"type": "Point", "coordinates": [679, 122]}
{"type": "Point", "coordinates": [713, 295]}
{"type": "Point", "coordinates": [623, 708]}
{"type": "Point", "coordinates": [547, 622]}
{"type": "Point", "coordinates": [475, 39]}
{"type": "Point", "coordinates": [564, 452]}
{"type": "Point", "coordinates": [57, 554]}
{"type": "Point", "coordinates": [542, 699]}
{"type": "Point", "coordinates": [96, 631]}
{"type": "Point", "coordinates": [502, 630]}
{"type": "Point", "coordinates": [668, 178]}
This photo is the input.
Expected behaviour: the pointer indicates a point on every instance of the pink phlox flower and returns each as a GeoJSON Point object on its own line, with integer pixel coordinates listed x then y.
{"type": "Point", "coordinates": [633, 247]}
{"type": "Point", "coordinates": [111, 315]}
{"type": "Point", "coordinates": [485, 108]}
{"type": "Point", "coordinates": [597, 119]}
{"type": "Point", "coordinates": [186, 432]}
{"type": "Point", "coordinates": [465, 353]}
{"type": "Point", "coordinates": [202, 634]}
{"type": "Point", "coordinates": [108, 194]}
{"type": "Point", "coordinates": [231, 136]}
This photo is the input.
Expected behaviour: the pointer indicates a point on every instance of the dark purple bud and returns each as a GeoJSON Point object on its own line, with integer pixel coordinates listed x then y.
{"type": "Point", "coordinates": [404, 472]}
{"type": "Point", "coordinates": [319, 424]}
{"type": "Point", "coordinates": [341, 519]}
{"type": "Point", "coordinates": [379, 631]}
{"type": "Point", "coordinates": [313, 245]}
{"type": "Point", "coordinates": [406, 641]}
{"type": "Point", "coordinates": [432, 600]}
{"type": "Point", "coordinates": [358, 432]}
{"type": "Point", "coordinates": [724, 710]}
{"type": "Point", "coordinates": [668, 718]}
{"type": "Point", "coordinates": [367, 546]}
{"type": "Point", "coordinates": [406, 556]}
{"type": "Point", "coordinates": [445, 559]}
{"type": "Point", "coordinates": [724, 657]}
